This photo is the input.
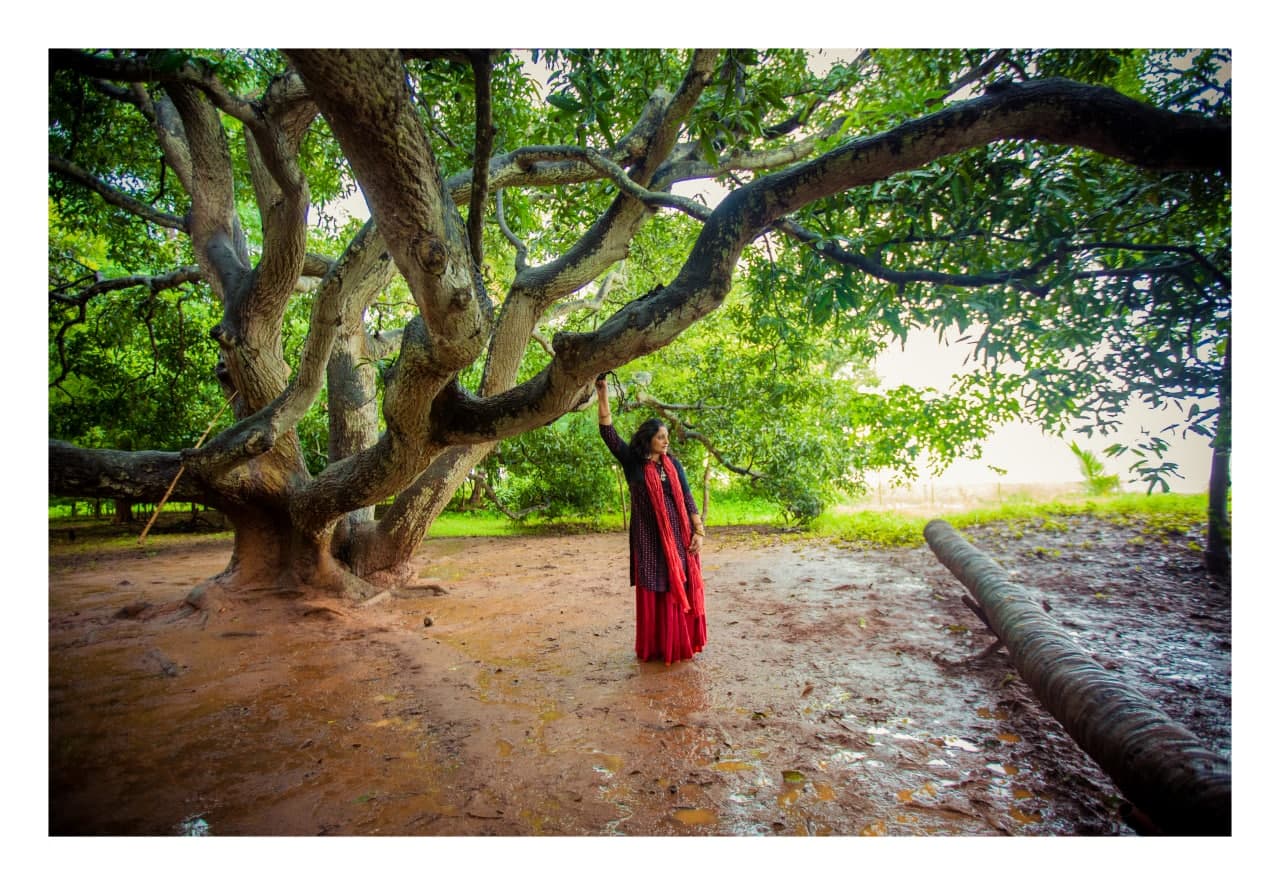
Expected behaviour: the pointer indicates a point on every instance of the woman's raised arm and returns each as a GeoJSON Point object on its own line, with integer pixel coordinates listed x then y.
{"type": "Point", "coordinates": [602, 401]}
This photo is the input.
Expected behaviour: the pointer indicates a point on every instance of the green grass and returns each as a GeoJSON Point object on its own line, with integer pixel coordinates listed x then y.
{"type": "Point", "coordinates": [886, 528]}
{"type": "Point", "coordinates": [726, 511]}
{"type": "Point", "coordinates": [480, 523]}
{"type": "Point", "coordinates": [732, 511]}
{"type": "Point", "coordinates": [879, 528]}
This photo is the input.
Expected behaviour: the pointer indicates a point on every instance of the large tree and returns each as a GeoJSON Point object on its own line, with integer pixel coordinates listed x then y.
{"type": "Point", "coordinates": [940, 189]}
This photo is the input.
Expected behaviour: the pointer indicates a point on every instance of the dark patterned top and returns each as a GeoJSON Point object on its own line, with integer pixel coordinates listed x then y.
{"type": "Point", "coordinates": [648, 562]}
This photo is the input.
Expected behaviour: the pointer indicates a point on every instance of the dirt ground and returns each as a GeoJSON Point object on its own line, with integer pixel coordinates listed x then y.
{"type": "Point", "coordinates": [500, 694]}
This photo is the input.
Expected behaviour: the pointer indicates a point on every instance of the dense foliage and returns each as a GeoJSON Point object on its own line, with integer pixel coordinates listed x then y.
{"type": "Point", "coordinates": [1083, 282]}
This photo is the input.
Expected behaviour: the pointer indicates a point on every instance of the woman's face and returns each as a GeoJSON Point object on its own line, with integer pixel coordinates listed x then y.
{"type": "Point", "coordinates": [661, 439]}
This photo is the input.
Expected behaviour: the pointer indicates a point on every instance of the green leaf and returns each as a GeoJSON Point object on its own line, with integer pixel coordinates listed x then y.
{"type": "Point", "coordinates": [564, 102]}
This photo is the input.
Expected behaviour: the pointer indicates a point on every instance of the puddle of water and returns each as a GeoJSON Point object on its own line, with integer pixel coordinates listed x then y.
{"type": "Point", "coordinates": [908, 795]}
{"type": "Point", "coordinates": [608, 764]}
{"type": "Point", "coordinates": [987, 713]}
{"type": "Point", "coordinates": [847, 757]}
{"type": "Point", "coordinates": [695, 817]}
{"type": "Point", "coordinates": [1026, 817]}
{"type": "Point", "coordinates": [790, 795]}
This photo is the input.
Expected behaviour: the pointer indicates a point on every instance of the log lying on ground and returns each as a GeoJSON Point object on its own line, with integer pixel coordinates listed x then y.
{"type": "Point", "coordinates": [1159, 766]}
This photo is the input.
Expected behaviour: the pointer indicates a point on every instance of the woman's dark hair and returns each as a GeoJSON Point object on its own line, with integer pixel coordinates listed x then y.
{"type": "Point", "coordinates": [643, 436]}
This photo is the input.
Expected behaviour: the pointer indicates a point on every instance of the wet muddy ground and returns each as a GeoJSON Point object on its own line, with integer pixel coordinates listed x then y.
{"type": "Point", "coordinates": [839, 694]}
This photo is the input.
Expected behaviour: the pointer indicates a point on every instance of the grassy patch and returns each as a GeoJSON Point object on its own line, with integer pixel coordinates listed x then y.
{"type": "Point", "coordinates": [1158, 514]}
{"type": "Point", "coordinates": [875, 528]}
{"type": "Point", "coordinates": [480, 523]}
{"type": "Point", "coordinates": [1152, 516]}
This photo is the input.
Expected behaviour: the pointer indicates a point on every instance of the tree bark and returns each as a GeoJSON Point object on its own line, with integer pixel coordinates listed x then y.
{"type": "Point", "coordinates": [436, 432]}
{"type": "Point", "coordinates": [124, 511]}
{"type": "Point", "coordinates": [1161, 767]}
{"type": "Point", "coordinates": [1217, 554]}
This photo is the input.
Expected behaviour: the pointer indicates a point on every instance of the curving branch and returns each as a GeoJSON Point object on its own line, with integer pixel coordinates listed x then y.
{"type": "Point", "coordinates": [166, 123]}
{"type": "Point", "coordinates": [972, 76]}
{"type": "Point", "coordinates": [106, 473]}
{"type": "Point", "coordinates": [364, 97]}
{"type": "Point", "coordinates": [482, 65]}
{"type": "Point", "coordinates": [72, 172]}
{"type": "Point", "coordinates": [522, 251]}
{"type": "Point", "coordinates": [81, 299]}
{"type": "Point", "coordinates": [348, 279]}
{"type": "Point", "coordinates": [214, 226]}
{"type": "Point", "coordinates": [551, 166]}
{"type": "Point", "coordinates": [566, 308]}
{"type": "Point", "coordinates": [156, 283]}
{"type": "Point", "coordinates": [170, 66]}
{"type": "Point", "coordinates": [283, 197]}
{"type": "Point", "coordinates": [1056, 111]}
{"type": "Point", "coordinates": [478, 477]}
{"type": "Point", "coordinates": [824, 92]}
{"type": "Point", "coordinates": [594, 303]}
{"type": "Point", "coordinates": [607, 240]}
{"type": "Point", "coordinates": [1022, 278]}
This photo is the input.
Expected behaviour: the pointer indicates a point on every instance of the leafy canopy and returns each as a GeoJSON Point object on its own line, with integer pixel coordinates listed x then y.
{"type": "Point", "coordinates": [1081, 283]}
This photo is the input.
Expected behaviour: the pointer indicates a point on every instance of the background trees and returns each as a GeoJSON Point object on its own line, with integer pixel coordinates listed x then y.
{"type": "Point", "coordinates": [1078, 233]}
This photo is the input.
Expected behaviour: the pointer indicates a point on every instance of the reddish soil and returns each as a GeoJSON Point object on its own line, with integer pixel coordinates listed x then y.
{"type": "Point", "coordinates": [500, 695]}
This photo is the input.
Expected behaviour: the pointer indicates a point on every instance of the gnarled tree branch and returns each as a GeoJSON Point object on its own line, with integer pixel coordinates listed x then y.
{"type": "Point", "coordinates": [482, 65]}
{"type": "Point", "coordinates": [1055, 111]}
{"type": "Point", "coordinates": [114, 196]}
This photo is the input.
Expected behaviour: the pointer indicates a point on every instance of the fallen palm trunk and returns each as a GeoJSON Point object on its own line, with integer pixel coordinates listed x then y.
{"type": "Point", "coordinates": [1159, 766]}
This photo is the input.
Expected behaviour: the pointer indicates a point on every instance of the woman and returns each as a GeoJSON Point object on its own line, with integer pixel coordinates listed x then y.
{"type": "Point", "coordinates": [666, 540]}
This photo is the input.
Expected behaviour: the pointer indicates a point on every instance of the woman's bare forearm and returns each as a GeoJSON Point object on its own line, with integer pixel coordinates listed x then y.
{"type": "Point", "coordinates": [602, 403]}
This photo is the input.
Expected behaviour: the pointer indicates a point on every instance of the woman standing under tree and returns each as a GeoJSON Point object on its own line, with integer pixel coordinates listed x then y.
{"type": "Point", "coordinates": [666, 540]}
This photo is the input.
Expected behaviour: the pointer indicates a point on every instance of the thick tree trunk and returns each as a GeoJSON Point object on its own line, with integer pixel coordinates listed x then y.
{"type": "Point", "coordinates": [260, 551]}
{"type": "Point", "coordinates": [124, 511]}
{"type": "Point", "coordinates": [1217, 554]}
{"type": "Point", "coordinates": [1160, 767]}
{"type": "Point", "coordinates": [353, 409]}
{"type": "Point", "coordinates": [380, 551]}
{"type": "Point", "coordinates": [270, 556]}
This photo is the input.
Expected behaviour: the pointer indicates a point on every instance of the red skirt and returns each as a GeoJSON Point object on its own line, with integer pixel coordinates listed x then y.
{"type": "Point", "coordinates": [663, 631]}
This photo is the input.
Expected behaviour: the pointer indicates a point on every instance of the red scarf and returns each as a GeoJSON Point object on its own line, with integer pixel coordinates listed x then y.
{"type": "Point", "coordinates": [668, 537]}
